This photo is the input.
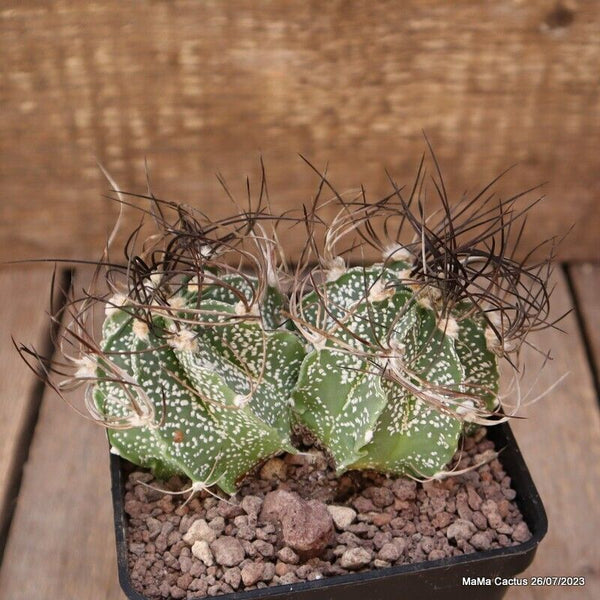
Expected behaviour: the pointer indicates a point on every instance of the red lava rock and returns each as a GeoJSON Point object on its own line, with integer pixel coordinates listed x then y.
{"type": "Point", "coordinates": [227, 551]}
{"type": "Point", "coordinates": [307, 527]}
{"type": "Point", "coordinates": [405, 489]}
{"type": "Point", "coordinates": [275, 468]}
{"type": "Point", "coordinates": [287, 555]}
{"type": "Point", "coordinates": [251, 505]}
{"type": "Point", "coordinates": [389, 552]}
{"type": "Point", "coordinates": [363, 505]}
{"type": "Point", "coordinates": [462, 506]}
{"type": "Point", "coordinates": [436, 555]}
{"type": "Point", "coordinates": [482, 540]}
{"type": "Point", "coordinates": [461, 530]}
{"type": "Point", "coordinates": [381, 519]}
{"type": "Point", "coordinates": [268, 571]}
{"type": "Point", "coordinates": [473, 498]}
{"type": "Point", "coordinates": [264, 548]}
{"type": "Point", "coordinates": [521, 532]}
{"type": "Point", "coordinates": [381, 538]}
{"type": "Point", "coordinates": [479, 520]}
{"type": "Point", "coordinates": [229, 510]}
{"type": "Point", "coordinates": [282, 568]}
{"type": "Point", "coordinates": [177, 593]}
{"type": "Point", "coordinates": [441, 520]}
{"type": "Point", "coordinates": [252, 573]}
{"type": "Point", "coordinates": [380, 496]}
{"type": "Point", "coordinates": [355, 558]}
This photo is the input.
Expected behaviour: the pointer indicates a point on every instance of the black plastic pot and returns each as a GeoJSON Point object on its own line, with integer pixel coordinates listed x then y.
{"type": "Point", "coordinates": [435, 580]}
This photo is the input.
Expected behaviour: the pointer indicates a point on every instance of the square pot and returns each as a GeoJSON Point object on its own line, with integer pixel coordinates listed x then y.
{"type": "Point", "coordinates": [435, 580]}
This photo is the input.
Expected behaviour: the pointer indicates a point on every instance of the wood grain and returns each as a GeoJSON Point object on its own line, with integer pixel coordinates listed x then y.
{"type": "Point", "coordinates": [25, 298]}
{"type": "Point", "coordinates": [201, 87]}
{"type": "Point", "coordinates": [560, 441]}
{"type": "Point", "coordinates": [586, 281]}
{"type": "Point", "coordinates": [61, 542]}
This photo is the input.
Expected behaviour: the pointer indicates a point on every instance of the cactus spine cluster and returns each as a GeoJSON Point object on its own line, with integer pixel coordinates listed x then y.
{"type": "Point", "coordinates": [214, 353]}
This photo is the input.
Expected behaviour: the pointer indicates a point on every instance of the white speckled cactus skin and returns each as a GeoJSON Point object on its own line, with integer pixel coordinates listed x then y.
{"type": "Point", "coordinates": [216, 394]}
{"type": "Point", "coordinates": [377, 391]}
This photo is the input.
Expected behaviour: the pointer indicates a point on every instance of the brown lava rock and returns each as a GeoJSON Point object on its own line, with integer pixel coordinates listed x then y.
{"type": "Point", "coordinates": [307, 527]}
{"type": "Point", "coordinates": [279, 528]}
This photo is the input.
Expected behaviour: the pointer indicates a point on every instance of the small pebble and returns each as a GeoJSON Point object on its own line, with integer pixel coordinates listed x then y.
{"type": "Point", "coordinates": [342, 516]}
{"type": "Point", "coordinates": [355, 558]}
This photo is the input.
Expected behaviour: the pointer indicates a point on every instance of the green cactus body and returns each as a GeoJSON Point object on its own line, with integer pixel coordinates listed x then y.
{"type": "Point", "coordinates": [480, 365]}
{"type": "Point", "coordinates": [245, 286]}
{"type": "Point", "coordinates": [140, 445]}
{"type": "Point", "coordinates": [262, 365]}
{"type": "Point", "coordinates": [367, 420]}
{"type": "Point", "coordinates": [221, 404]}
{"type": "Point", "coordinates": [411, 436]}
{"type": "Point", "coordinates": [219, 376]}
{"type": "Point", "coordinates": [339, 401]}
{"type": "Point", "coordinates": [340, 395]}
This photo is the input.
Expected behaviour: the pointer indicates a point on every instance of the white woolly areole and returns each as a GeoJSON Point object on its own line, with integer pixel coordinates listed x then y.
{"type": "Point", "coordinates": [379, 292]}
{"type": "Point", "coordinates": [114, 303]}
{"type": "Point", "coordinates": [155, 278]}
{"type": "Point", "coordinates": [336, 269]}
{"type": "Point", "coordinates": [140, 329]}
{"type": "Point", "coordinates": [424, 301]}
{"type": "Point", "coordinates": [115, 451]}
{"type": "Point", "coordinates": [466, 408]}
{"type": "Point", "coordinates": [404, 276]}
{"type": "Point", "coordinates": [426, 295]}
{"type": "Point", "coordinates": [397, 252]}
{"type": "Point", "coordinates": [397, 347]}
{"type": "Point", "coordinates": [193, 284]}
{"type": "Point", "coordinates": [449, 326]}
{"type": "Point", "coordinates": [241, 309]}
{"type": "Point", "coordinates": [177, 302]}
{"type": "Point", "coordinates": [240, 401]}
{"type": "Point", "coordinates": [272, 277]}
{"type": "Point", "coordinates": [499, 347]}
{"type": "Point", "coordinates": [140, 421]}
{"type": "Point", "coordinates": [199, 486]}
{"type": "Point", "coordinates": [184, 340]}
{"type": "Point", "coordinates": [318, 341]}
{"type": "Point", "coordinates": [86, 367]}
{"type": "Point", "coordinates": [368, 436]}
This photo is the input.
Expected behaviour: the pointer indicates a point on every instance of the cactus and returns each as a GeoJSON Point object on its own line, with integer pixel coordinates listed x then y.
{"type": "Point", "coordinates": [213, 353]}
{"type": "Point", "coordinates": [366, 392]}
{"type": "Point", "coordinates": [215, 404]}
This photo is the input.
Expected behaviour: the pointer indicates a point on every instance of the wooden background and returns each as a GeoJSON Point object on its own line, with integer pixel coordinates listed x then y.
{"type": "Point", "coordinates": [200, 86]}
{"type": "Point", "coordinates": [204, 86]}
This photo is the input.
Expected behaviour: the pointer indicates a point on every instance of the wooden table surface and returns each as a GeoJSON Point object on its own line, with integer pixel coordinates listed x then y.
{"type": "Point", "coordinates": [56, 531]}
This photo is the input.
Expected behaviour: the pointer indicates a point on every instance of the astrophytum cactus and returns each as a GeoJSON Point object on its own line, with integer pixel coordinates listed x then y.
{"type": "Point", "coordinates": [214, 355]}
{"type": "Point", "coordinates": [212, 383]}
{"type": "Point", "coordinates": [387, 385]}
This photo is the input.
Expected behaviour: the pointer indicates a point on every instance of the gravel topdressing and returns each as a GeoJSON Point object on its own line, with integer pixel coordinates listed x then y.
{"type": "Point", "coordinates": [295, 521]}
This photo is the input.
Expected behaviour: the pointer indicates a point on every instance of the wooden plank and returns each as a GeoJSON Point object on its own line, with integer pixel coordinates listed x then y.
{"type": "Point", "coordinates": [586, 283]}
{"type": "Point", "coordinates": [560, 441]}
{"type": "Point", "coordinates": [24, 297]}
{"type": "Point", "coordinates": [201, 87]}
{"type": "Point", "coordinates": [62, 537]}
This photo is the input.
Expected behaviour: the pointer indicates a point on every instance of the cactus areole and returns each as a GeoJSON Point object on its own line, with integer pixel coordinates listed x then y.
{"type": "Point", "coordinates": [214, 351]}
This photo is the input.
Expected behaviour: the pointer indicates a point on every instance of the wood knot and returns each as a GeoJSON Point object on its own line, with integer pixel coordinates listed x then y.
{"type": "Point", "coordinates": [561, 16]}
